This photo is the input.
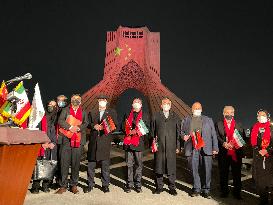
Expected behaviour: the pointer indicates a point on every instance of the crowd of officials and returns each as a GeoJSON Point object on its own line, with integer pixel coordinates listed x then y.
{"type": "Point", "coordinates": [200, 137]}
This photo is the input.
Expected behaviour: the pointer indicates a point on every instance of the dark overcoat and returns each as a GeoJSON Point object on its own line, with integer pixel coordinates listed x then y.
{"type": "Point", "coordinates": [100, 144]}
{"type": "Point", "coordinates": [167, 131]}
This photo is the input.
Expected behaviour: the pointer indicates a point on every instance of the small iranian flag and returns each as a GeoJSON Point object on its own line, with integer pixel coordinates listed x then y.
{"type": "Point", "coordinates": [23, 106]}
{"type": "Point", "coordinates": [238, 140]}
{"type": "Point", "coordinates": [142, 129]}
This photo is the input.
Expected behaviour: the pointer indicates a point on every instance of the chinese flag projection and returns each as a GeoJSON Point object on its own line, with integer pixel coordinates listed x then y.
{"type": "Point", "coordinates": [133, 61]}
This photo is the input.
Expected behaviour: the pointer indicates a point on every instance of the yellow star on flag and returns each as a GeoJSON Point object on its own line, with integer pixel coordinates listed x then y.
{"type": "Point", "coordinates": [117, 51]}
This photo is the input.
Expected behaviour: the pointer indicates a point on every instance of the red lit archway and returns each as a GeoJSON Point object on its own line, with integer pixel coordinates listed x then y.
{"type": "Point", "coordinates": [133, 61]}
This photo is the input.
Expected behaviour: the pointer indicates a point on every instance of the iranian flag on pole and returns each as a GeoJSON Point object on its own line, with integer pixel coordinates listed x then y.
{"type": "Point", "coordinates": [238, 140]}
{"type": "Point", "coordinates": [142, 129]}
{"type": "Point", "coordinates": [23, 106]}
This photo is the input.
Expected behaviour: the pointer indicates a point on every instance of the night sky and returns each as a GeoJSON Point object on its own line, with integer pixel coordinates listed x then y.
{"type": "Point", "coordinates": [215, 52]}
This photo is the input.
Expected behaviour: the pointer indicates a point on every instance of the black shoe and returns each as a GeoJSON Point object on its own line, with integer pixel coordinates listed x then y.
{"type": "Point", "coordinates": [224, 195]}
{"type": "Point", "coordinates": [55, 186]}
{"type": "Point", "coordinates": [127, 189]}
{"type": "Point", "coordinates": [237, 196]}
{"type": "Point", "coordinates": [206, 195]}
{"type": "Point", "coordinates": [34, 191]}
{"type": "Point", "coordinates": [87, 189]}
{"type": "Point", "coordinates": [45, 189]}
{"type": "Point", "coordinates": [173, 192]}
{"type": "Point", "coordinates": [195, 194]}
{"type": "Point", "coordinates": [105, 189]}
{"type": "Point", "coordinates": [263, 202]}
{"type": "Point", "coordinates": [158, 191]}
{"type": "Point", "coordinates": [138, 190]}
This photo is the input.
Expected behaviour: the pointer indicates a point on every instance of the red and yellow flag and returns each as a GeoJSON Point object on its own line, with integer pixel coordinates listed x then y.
{"type": "Point", "coordinates": [3, 99]}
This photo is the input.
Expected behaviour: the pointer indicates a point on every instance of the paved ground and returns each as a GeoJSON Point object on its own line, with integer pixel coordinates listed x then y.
{"type": "Point", "coordinates": [117, 196]}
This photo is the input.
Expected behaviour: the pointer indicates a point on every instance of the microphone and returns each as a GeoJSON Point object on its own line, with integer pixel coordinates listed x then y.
{"type": "Point", "coordinates": [27, 76]}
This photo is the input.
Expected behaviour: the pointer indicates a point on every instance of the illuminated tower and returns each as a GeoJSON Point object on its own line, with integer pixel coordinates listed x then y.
{"type": "Point", "coordinates": [133, 61]}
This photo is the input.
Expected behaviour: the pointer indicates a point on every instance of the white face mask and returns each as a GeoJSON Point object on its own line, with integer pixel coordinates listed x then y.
{"type": "Point", "coordinates": [262, 119]}
{"type": "Point", "coordinates": [102, 103]}
{"type": "Point", "coordinates": [166, 107]}
{"type": "Point", "coordinates": [137, 106]}
{"type": "Point", "coordinates": [197, 113]}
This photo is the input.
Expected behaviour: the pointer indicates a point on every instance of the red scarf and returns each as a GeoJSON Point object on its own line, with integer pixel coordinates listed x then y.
{"type": "Point", "coordinates": [229, 137]}
{"type": "Point", "coordinates": [76, 137]}
{"type": "Point", "coordinates": [265, 138]}
{"type": "Point", "coordinates": [132, 139]}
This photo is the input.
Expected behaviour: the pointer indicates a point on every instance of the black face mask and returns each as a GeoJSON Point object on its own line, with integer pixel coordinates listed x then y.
{"type": "Point", "coordinates": [76, 102]}
{"type": "Point", "coordinates": [228, 117]}
{"type": "Point", "coordinates": [50, 108]}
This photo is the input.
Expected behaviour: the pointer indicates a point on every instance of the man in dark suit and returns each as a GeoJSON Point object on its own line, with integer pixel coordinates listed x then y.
{"type": "Point", "coordinates": [166, 131]}
{"type": "Point", "coordinates": [99, 145]}
{"type": "Point", "coordinates": [134, 145]}
{"type": "Point", "coordinates": [61, 104]}
{"type": "Point", "coordinates": [229, 156]}
{"type": "Point", "coordinates": [71, 146]}
{"type": "Point", "coordinates": [199, 151]}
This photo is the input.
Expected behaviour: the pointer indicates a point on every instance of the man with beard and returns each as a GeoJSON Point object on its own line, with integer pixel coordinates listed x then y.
{"type": "Point", "coordinates": [166, 131]}
{"type": "Point", "coordinates": [73, 122]}
{"type": "Point", "coordinates": [229, 154]}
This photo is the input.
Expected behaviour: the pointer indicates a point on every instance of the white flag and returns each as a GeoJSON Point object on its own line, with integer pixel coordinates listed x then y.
{"type": "Point", "coordinates": [37, 109]}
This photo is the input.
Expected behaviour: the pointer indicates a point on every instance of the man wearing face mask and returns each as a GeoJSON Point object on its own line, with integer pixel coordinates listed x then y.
{"type": "Point", "coordinates": [229, 156]}
{"type": "Point", "coordinates": [134, 145]}
{"type": "Point", "coordinates": [261, 139]}
{"type": "Point", "coordinates": [99, 144]}
{"type": "Point", "coordinates": [51, 118]}
{"type": "Point", "coordinates": [199, 151]}
{"type": "Point", "coordinates": [73, 122]}
{"type": "Point", "coordinates": [61, 104]}
{"type": "Point", "coordinates": [49, 149]}
{"type": "Point", "coordinates": [166, 129]}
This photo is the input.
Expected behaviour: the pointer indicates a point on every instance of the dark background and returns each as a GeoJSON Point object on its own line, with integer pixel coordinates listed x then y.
{"type": "Point", "coordinates": [215, 52]}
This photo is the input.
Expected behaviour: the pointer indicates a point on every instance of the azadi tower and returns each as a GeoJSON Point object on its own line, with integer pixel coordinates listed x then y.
{"type": "Point", "coordinates": [133, 61]}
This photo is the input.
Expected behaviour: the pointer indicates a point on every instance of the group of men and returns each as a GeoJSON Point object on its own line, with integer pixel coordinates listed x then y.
{"type": "Point", "coordinates": [201, 138]}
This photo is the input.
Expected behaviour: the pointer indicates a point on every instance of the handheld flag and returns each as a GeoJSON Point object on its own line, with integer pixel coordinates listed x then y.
{"type": "Point", "coordinates": [108, 125]}
{"type": "Point", "coordinates": [37, 109]}
{"type": "Point", "coordinates": [197, 140]}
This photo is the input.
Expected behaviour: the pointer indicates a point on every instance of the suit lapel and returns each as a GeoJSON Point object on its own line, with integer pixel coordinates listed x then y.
{"type": "Point", "coordinates": [97, 116]}
{"type": "Point", "coordinates": [203, 123]}
{"type": "Point", "coordinates": [188, 121]}
{"type": "Point", "coordinates": [163, 116]}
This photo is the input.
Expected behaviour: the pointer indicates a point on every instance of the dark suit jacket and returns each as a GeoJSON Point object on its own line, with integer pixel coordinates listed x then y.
{"type": "Point", "coordinates": [99, 144]}
{"type": "Point", "coordinates": [208, 134]}
{"type": "Point", "coordinates": [62, 123]}
{"type": "Point", "coordinates": [221, 135]}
